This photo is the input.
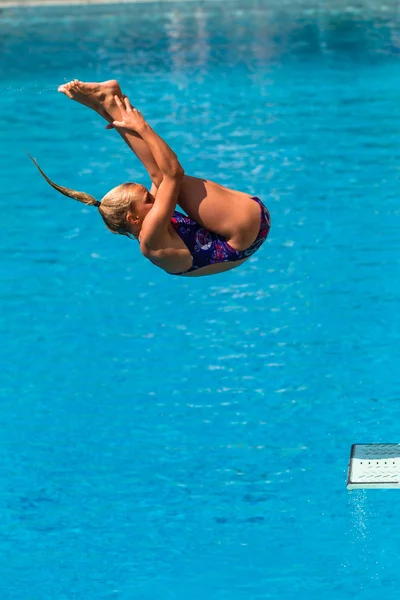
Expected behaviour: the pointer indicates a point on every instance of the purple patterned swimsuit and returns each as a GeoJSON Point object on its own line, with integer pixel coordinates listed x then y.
{"type": "Point", "coordinates": [208, 248]}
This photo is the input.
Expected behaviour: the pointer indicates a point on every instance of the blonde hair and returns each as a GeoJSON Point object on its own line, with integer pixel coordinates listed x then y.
{"type": "Point", "coordinates": [113, 207]}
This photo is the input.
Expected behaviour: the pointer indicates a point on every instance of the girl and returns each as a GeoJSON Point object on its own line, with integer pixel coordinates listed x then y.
{"type": "Point", "coordinates": [224, 227]}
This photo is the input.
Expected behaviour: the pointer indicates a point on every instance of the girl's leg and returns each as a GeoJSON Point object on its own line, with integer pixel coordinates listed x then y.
{"type": "Point", "coordinates": [230, 213]}
{"type": "Point", "coordinates": [100, 97]}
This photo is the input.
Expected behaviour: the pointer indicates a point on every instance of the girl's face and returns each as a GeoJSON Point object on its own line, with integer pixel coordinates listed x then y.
{"type": "Point", "coordinates": [143, 202]}
{"type": "Point", "coordinates": [141, 206]}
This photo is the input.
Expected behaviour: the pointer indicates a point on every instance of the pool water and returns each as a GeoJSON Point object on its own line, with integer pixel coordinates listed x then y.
{"type": "Point", "coordinates": [171, 438]}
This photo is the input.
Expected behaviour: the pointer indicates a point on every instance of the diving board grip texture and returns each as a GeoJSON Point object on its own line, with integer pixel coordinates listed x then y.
{"type": "Point", "coordinates": [374, 466]}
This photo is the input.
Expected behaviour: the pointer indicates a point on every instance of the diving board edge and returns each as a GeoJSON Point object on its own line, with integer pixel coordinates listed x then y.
{"type": "Point", "coordinates": [374, 466]}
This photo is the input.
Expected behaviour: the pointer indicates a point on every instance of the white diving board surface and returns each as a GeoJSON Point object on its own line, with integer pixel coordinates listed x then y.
{"type": "Point", "coordinates": [374, 466]}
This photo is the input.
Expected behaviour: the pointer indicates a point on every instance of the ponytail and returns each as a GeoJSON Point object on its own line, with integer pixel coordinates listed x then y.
{"type": "Point", "coordinates": [80, 196]}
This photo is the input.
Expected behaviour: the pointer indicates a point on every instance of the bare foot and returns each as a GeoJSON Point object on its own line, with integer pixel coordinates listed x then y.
{"type": "Point", "coordinates": [93, 95]}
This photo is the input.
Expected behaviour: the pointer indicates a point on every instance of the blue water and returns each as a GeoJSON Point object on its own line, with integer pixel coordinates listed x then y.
{"type": "Point", "coordinates": [171, 438]}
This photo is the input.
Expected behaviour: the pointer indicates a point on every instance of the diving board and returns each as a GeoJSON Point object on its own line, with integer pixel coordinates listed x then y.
{"type": "Point", "coordinates": [374, 466]}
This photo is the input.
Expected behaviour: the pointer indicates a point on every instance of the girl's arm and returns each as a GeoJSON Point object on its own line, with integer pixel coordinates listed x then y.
{"type": "Point", "coordinates": [133, 122]}
{"type": "Point", "coordinates": [159, 218]}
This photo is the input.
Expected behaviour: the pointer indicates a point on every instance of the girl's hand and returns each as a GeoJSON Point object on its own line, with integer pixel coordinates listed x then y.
{"type": "Point", "coordinates": [132, 119]}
